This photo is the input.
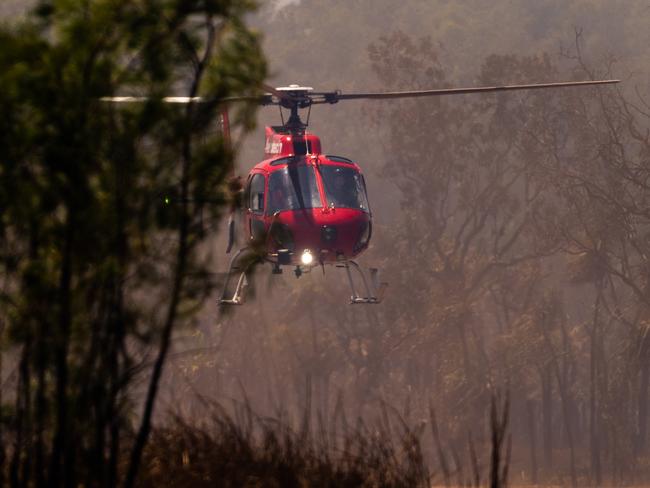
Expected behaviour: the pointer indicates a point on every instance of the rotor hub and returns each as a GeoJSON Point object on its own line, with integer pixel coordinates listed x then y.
{"type": "Point", "coordinates": [295, 89]}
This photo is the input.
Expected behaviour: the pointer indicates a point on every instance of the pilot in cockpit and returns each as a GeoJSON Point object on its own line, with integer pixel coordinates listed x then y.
{"type": "Point", "coordinates": [342, 192]}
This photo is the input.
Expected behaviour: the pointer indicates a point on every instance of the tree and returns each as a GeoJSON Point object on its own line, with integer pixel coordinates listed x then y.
{"type": "Point", "coordinates": [102, 213]}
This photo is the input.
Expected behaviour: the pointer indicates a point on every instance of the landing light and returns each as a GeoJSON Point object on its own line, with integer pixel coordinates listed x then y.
{"type": "Point", "coordinates": [306, 257]}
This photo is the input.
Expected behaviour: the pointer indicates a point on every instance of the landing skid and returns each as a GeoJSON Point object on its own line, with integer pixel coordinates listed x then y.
{"type": "Point", "coordinates": [374, 290]}
{"type": "Point", "coordinates": [239, 269]}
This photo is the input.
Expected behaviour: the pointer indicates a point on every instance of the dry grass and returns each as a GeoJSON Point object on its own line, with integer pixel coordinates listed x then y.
{"type": "Point", "coordinates": [262, 452]}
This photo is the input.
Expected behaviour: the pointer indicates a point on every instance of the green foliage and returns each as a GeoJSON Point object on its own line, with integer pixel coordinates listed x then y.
{"type": "Point", "coordinates": [98, 264]}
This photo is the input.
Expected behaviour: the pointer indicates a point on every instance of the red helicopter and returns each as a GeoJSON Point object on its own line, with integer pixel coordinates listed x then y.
{"type": "Point", "coordinates": [304, 208]}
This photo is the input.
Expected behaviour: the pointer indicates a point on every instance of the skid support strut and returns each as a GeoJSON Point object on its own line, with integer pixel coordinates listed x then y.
{"type": "Point", "coordinates": [239, 268]}
{"type": "Point", "coordinates": [374, 290]}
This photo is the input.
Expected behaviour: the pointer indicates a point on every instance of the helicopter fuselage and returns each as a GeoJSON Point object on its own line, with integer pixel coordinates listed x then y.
{"type": "Point", "coordinates": [306, 208]}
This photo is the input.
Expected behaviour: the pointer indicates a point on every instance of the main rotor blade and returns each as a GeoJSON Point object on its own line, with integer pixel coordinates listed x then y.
{"type": "Point", "coordinates": [461, 91]}
{"type": "Point", "coordinates": [146, 99]}
{"type": "Point", "coordinates": [186, 100]}
{"type": "Point", "coordinates": [261, 99]}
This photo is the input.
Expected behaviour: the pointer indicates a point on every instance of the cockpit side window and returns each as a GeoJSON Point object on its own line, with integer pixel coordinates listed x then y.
{"type": "Point", "coordinates": [256, 193]}
{"type": "Point", "coordinates": [293, 187]}
{"type": "Point", "coordinates": [344, 187]}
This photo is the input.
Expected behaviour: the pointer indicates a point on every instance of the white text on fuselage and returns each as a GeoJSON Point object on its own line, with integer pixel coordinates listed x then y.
{"type": "Point", "coordinates": [273, 147]}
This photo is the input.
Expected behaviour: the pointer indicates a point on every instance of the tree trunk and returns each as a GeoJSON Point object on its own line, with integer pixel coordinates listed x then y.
{"type": "Point", "coordinates": [594, 437]}
{"type": "Point", "coordinates": [642, 420]}
{"type": "Point", "coordinates": [532, 440]}
{"type": "Point", "coordinates": [17, 473]}
{"type": "Point", "coordinates": [547, 417]}
{"type": "Point", "coordinates": [62, 432]}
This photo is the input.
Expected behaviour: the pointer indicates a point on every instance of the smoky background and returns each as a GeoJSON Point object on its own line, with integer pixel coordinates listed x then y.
{"type": "Point", "coordinates": [546, 302]}
{"type": "Point", "coordinates": [521, 308]}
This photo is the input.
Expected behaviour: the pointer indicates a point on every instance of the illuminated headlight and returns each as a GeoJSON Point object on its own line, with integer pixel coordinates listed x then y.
{"type": "Point", "coordinates": [306, 257]}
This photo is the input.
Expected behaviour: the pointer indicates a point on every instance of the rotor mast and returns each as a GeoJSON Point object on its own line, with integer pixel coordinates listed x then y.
{"type": "Point", "coordinates": [294, 98]}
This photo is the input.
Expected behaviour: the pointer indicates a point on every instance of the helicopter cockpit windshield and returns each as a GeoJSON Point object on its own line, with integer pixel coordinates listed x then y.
{"type": "Point", "coordinates": [292, 188]}
{"type": "Point", "coordinates": [344, 187]}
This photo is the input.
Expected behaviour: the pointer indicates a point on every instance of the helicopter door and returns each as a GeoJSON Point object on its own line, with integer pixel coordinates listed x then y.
{"type": "Point", "coordinates": [255, 214]}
